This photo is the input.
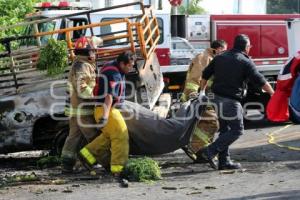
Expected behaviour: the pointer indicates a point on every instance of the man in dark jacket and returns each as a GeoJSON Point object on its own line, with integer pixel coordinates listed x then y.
{"type": "Point", "coordinates": [231, 71]}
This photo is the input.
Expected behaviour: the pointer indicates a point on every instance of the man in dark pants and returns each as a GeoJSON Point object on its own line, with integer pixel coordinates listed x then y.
{"type": "Point", "coordinates": [231, 71]}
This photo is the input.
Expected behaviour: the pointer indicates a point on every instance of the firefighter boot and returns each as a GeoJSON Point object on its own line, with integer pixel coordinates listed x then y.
{"type": "Point", "coordinates": [87, 159]}
{"type": "Point", "coordinates": [206, 154]}
{"type": "Point", "coordinates": [227, 163]}
{"type": "Point", "coordinates": [67, 165]}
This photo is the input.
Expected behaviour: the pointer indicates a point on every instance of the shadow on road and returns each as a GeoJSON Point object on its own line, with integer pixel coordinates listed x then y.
{"type": "Point", "coordinates": [19, 163]}
{"type": "Point", "coordinates": [267, 153]}
{"type": "Point", "coordinates": [264, 123]}
{"type": "Point", "coordinates": [292, 194]}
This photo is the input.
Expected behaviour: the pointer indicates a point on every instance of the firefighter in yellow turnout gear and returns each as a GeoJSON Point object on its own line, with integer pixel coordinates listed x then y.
{"type": "Point", "coordinates": [111, 148]}
{"type": "Point", "coordinates": [208, 125]}
{"type": "Point", "coordinates": [81, 82]}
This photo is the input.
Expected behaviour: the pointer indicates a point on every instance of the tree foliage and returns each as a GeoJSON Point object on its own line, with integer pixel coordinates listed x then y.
{"type": "Point", "coordinates": [283, 6]}
{"type": "Point", "coordinates": [13, 11]}
{"type": "Point", "coordinates": [53, 57]}
{"type": "Point", "coordinates": [193, 8]}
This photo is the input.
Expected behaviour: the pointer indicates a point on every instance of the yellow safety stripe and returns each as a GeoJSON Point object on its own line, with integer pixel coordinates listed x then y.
{"type": "Point", "coordinates": [85, 153]}
{"type": "Point", "coordinates": [201, 135]}
{"type": "Point", "coordinates": [116, 168]}
{"type": "Point", "coordinates": [78, 112]}
{"type": "Point", "coordinates": [273, 141]}
{"type": "Point", "coordinates": [183, 98]}
{"type": "Point", "coordinates": [192, 86]}
{"type": "Point", "coordinates": [87, 92]}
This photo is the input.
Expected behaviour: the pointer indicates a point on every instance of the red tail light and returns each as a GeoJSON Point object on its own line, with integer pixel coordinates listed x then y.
{"type": "Point", "coordinates": [166, 80]}
{"type": "Point", "coordinates": [64, 4]}
{"type": "Point", "coordinates": [46, 4]}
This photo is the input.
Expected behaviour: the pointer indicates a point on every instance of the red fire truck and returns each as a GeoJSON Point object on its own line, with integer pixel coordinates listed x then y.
{"type": "Point", "coordinates": [267, 33]}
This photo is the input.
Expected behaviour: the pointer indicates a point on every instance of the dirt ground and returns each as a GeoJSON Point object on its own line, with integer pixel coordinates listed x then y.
{"type": "Point", "coordinates": [270, 172]}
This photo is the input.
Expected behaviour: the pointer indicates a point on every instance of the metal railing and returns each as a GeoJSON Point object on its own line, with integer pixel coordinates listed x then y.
{"type": "Point", "coordinates": [18, 67]}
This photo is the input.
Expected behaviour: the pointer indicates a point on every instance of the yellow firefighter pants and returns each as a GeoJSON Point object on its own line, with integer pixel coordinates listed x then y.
{"type": "Point", "coordinates": [206, 128]}
{"type": "Point", "coordinates": [205, 131]}
{"type": "Point", "coordinates": [113, 142]}
{"type": "Point", "coordinates": [77, 133]}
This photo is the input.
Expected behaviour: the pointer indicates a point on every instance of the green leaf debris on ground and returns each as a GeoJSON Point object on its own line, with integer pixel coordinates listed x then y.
{"type": "Point", "coordinates": [18, 178]}
{"type": "Point", "coordinates": [142, 169]}
{"type": "Point", "coordinates": [49, 161]}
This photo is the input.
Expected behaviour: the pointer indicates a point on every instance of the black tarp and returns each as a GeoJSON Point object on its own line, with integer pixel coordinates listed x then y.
{"type": "Point", "coordinates": [150, 134]}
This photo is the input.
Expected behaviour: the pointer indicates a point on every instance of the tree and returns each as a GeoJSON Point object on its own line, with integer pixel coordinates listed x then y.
{"type": "Point", "coordinates": [283, 6]}
{"type": "Point", "coordinates": [13, 11]}
{"type": "Point", "coordinates": [192, 8]}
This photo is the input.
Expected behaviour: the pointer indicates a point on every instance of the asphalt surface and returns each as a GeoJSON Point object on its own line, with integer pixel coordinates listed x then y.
{"type": "Point", "coordinates": [269, 172]}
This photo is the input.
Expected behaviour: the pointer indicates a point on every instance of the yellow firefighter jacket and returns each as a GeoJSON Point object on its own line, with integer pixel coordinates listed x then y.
{"type": "Point", "coordinates": [81, 82]}
{"type": "Point", "coordinates": [194, 74]}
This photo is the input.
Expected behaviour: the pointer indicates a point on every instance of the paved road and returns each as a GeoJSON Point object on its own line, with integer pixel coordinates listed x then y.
{"type": "Point", "coordinates": [270, 172]}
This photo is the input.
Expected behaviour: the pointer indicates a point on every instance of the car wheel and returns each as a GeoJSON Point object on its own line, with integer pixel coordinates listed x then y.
{"type": "Point", "coordinates": [59, 142]}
